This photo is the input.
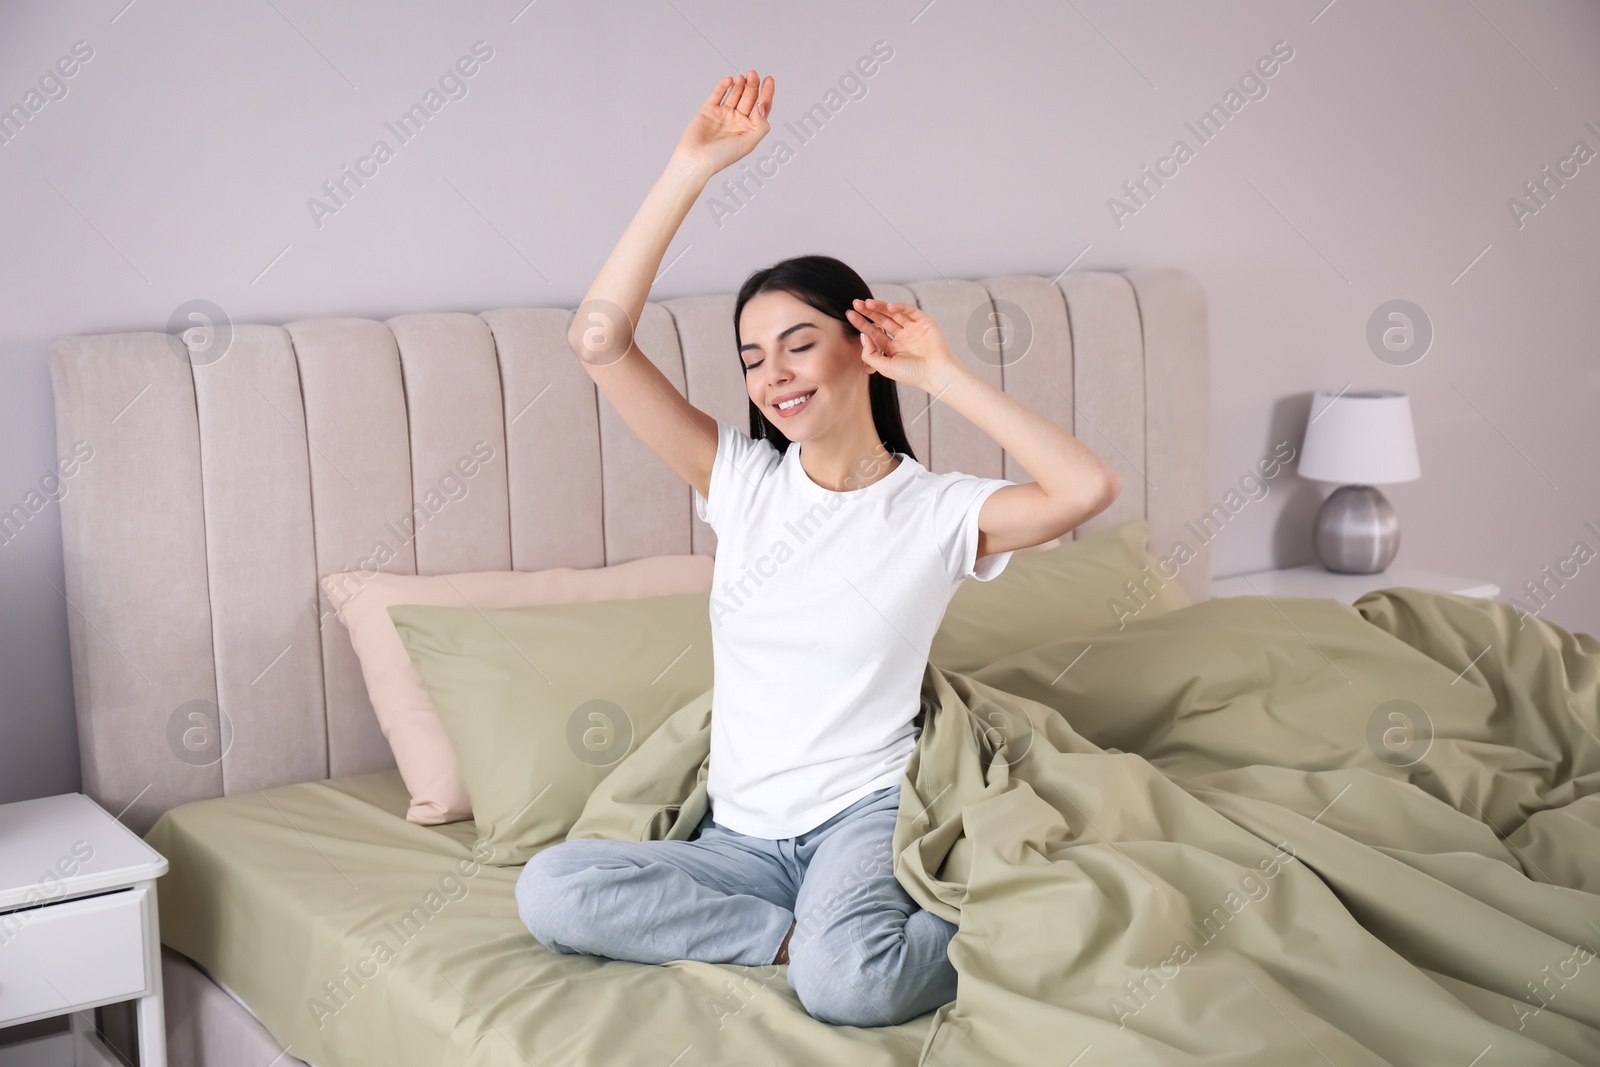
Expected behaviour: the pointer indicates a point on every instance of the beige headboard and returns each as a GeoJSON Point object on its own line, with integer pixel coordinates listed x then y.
{"type": "Point", "coordinates": [216, 494]}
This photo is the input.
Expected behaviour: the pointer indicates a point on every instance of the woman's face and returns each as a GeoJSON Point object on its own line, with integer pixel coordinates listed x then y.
{"type": "Point", "coordinates": [791, 349]}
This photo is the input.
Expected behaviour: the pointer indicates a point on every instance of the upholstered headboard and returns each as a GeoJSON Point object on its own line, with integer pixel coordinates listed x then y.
{"type": "Point", "coordinates": [216, 493]}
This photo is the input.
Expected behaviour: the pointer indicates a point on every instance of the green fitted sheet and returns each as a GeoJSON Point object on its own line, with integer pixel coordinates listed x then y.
{"type": "Point", "coordinates": [277, 892]}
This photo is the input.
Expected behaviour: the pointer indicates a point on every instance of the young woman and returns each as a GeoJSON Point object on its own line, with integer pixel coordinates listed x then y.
{"type": "Point", "coordinates": [836, 559]}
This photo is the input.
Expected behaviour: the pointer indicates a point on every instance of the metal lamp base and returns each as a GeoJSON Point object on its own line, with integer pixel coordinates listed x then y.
{"type": "Point", "coordinates": [1357, 531]}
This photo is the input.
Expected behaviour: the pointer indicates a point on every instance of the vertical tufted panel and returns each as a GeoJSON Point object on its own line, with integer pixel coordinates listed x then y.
{"type": "Point", "coordinates": [1177, 407]}
{"type": "Point", "coordinates": [712, 376]}
{"type": "Point", "coordinates": [647, 506]}
{"type": "Point", "coordinates": [552, 434]}
{"type": "Point", "coordinates": [1031, 342]}
{"type": "Point", "coordinates": [134, 545]}
{"type": "Point", "coordinates": [1109, 380]}
{"type": "Point", "coordinates": [956, 444]}
{"type": "Point", "coordinates": [457, 422]}
{"type": "Point", "coordinates": [360, 456]}
{"type": "Point", "coordinates": [256, 491]}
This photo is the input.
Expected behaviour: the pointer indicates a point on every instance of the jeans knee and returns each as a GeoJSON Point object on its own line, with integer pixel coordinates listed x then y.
{"type": "Point", "coordinates": [835, 989]}
{"type": "Point", "coordinates": [539, 893]}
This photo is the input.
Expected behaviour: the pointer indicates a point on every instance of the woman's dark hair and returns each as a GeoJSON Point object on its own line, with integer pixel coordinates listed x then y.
{"type": "Point", "coordinates": [831, 287]}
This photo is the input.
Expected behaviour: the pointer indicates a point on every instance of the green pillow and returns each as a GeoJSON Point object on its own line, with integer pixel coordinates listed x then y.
{"type": "Point", "coordinates": [541, 702]}
{"type": "Point", "coordinates": [1077, 587]}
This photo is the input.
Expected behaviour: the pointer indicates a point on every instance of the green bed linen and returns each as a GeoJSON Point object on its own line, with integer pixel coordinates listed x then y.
{"type": "Point", "coordinates": [1130, 902]}
{"type": "Point", "coordinates": [1203, 839]}
{"type": "Point", "coordinates": [280, 891]}
{"type": "Point", "coordinates": [1199, 839]}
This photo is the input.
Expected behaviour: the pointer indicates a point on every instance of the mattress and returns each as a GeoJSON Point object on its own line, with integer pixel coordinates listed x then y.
{"type": "Point", "coordinates": [361, 938]}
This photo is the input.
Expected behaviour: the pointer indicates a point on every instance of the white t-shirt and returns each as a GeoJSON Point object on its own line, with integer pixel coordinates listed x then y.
{"type": "Point", "coordinates": [823, 608]}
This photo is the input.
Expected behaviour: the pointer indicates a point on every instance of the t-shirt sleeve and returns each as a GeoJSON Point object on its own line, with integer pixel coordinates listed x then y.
{"type": "Point", "coordinates": [741, 463]}
{"type": "Point", "coordinates": [960, 501]}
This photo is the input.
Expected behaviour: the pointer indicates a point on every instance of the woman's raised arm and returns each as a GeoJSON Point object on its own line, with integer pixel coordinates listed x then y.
{"type": "Point", "coordinates": [728, 125]}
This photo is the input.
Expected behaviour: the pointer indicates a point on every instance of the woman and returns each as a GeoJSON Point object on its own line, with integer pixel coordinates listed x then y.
{"type": "Point", "coordinates": [835, 561]}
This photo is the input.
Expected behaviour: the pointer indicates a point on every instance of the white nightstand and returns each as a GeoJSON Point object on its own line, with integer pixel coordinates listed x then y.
{"type": "Point", "coordinates": [1313, 580]}
{"type": "Point", "coordinates": [78, 929]}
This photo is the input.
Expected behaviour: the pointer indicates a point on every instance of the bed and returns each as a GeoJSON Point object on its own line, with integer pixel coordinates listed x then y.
{"type": "Point", "coordinates": [1189, 748]}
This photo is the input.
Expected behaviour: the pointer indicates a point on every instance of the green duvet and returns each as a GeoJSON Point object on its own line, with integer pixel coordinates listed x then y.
{"type": "Point", "coordinates": [1251, 831]}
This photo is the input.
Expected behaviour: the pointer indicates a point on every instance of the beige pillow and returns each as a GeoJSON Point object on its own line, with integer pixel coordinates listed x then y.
{"type": "Point", "coordinates": [405, 713]}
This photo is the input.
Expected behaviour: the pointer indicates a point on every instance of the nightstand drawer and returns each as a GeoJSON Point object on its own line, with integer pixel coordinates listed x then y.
{"type": "Point", "coordinates": [73, 954]}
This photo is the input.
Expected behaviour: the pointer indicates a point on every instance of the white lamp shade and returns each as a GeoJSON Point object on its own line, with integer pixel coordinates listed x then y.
{"type": "Point", "coordinates": [1360, 437]}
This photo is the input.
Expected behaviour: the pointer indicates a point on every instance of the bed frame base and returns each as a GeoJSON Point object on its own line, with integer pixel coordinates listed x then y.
{"type": "Point", "coordinates": [204, 1024]}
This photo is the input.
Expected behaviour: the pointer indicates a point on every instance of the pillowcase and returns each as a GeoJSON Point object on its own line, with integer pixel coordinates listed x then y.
{"type": "Point", "coordinates": [541, 702]}
{"type": "Point", "coordinates": [421, 747]}
{"type": "Point", "coordinates": [1050, 594]}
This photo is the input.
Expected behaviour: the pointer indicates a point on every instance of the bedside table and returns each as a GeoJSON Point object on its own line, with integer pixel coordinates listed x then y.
{"type": "Point", "coordinates": [78, 929]}
{"type": "Point", "coordinates": [1313, 580]}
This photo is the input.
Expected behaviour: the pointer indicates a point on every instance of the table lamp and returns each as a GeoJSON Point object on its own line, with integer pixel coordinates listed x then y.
{"type": "Point", "coordinates": [1361, 439]}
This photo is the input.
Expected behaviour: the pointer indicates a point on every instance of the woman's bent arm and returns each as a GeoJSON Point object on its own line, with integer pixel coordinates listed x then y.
{"type": "Point", "coordinates": [602, 331]}
{"type": "Point", "coordinates": [602, 335]}
{"type": "Point", "coordinates": [1071, 483]}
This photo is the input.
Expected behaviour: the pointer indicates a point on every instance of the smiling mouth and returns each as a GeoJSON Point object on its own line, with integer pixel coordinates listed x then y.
{"type": "Point", "coordinates": [790, 409]}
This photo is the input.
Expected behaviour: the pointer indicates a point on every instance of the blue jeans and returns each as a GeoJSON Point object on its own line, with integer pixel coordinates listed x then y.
{"type": "Point", "coordinates": [863, 953]}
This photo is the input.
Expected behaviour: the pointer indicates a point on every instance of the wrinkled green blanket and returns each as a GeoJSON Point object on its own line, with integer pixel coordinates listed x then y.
{"type": "Point", "coordinates": [1251, 831]}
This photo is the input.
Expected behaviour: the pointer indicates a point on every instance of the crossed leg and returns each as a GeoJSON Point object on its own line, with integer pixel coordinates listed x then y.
{"type": "Point", "coordinates": [721, 898]}
{"type": "Point", "coordinates": [863, 953]}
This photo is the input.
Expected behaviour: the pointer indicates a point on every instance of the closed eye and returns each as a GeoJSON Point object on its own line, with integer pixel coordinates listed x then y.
{"type": "Point", "coordinates": [802, 348]}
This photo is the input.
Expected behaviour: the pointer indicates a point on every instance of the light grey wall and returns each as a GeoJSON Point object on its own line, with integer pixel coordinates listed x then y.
{"type": "Point", "coordinates": [1378, 165]}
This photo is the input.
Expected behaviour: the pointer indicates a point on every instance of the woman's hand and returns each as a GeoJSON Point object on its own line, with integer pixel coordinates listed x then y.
{"type": "Point", "coordinates": [917, 354]}
{"type": "Point", "coordinates": [724, 131]}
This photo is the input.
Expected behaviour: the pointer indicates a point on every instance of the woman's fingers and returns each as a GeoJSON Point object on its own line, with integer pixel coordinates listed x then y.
{"type": "Point", "coordinates": [729, 91]}
{"type": "Point", "coordinates": [882, 315]}
{"type": "Point", "coordinates": [742, 92]}
{"type": "Point", "coordinates": [869, 328]}
{"type": "Point", "coordinates": [866, 317]}
{"type": "Point", "coordinates": [867, 320]}
{"type": "Point", "coordinates": [899, 314]}
{"type": "Point", "coordinates": [752, 88]}
{"type": "Point", "coordinates": [715, 99]}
